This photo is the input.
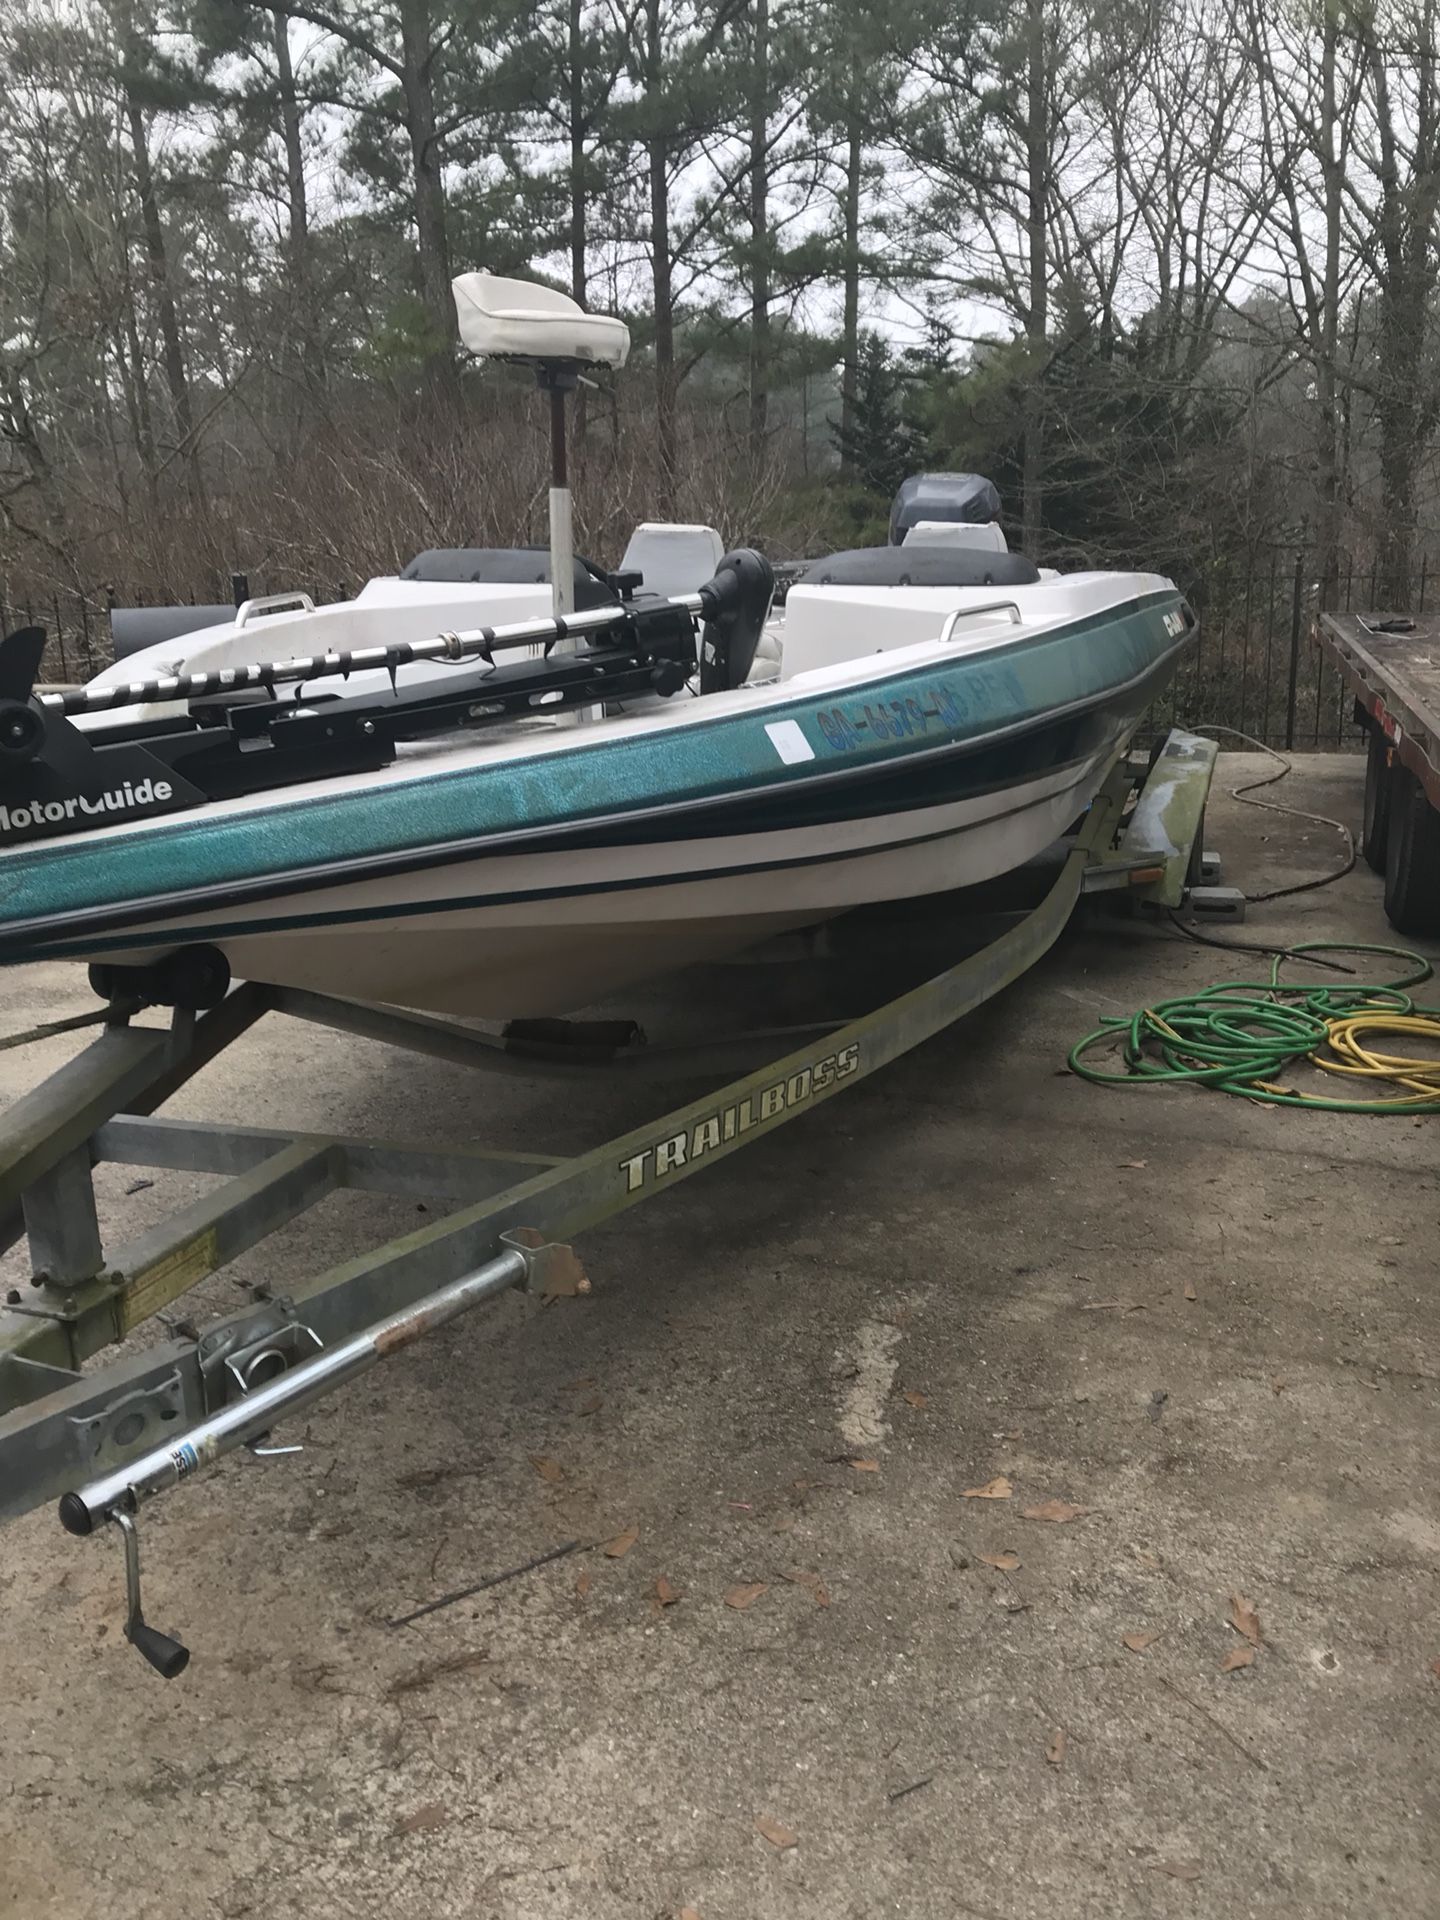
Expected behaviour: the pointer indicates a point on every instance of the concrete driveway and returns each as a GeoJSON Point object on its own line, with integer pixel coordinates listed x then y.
{"type": "Point", "coordinates": [827, 1681]}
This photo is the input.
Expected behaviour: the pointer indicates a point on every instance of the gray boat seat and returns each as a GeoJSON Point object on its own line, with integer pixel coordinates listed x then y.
{"type": "Point", "coordinates": [507, 566]}
{"type": "Point", "coordinates": [922, 566]}
{"type": "Point", "coordinates": [132, 628]}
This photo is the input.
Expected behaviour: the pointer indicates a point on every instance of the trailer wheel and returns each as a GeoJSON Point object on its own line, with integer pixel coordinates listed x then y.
{"type": "Point", "coordinates": [1412, 869]}
{"type": "Point", "coordinates": [1378, 785]}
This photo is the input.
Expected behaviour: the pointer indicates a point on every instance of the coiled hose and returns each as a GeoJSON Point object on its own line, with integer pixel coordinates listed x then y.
{"type": "Point", "coordinates": [1240, 1035]}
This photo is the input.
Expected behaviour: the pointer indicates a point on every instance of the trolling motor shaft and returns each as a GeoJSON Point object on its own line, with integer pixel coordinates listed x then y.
{"type": "Point", "coordinates": [528, 1261]}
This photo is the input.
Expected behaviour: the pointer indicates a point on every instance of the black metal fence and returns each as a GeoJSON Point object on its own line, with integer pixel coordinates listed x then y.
{"type": "Point", "coordinates": [1253, 667]}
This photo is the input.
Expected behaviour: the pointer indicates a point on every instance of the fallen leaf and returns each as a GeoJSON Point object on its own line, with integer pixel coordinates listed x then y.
{"type": "Point", "coordinates": [742, 1597]}
{"type": "Point", "coordinates": [1190, 1293]}
{"type": "Point", "coordinates": [1236, 1658]}
{"type": "Point", "coordinates": [582, 1585]}
{"type": "Point", "coordinates": [689, 1913]}
{"type": "Point", "coordinates": [547, 1469]}
{"type": "Point", "coordinates": [574, 1386]}
{"type": "Point", "coordinates": [865, 1466]}
{"type": "Point", "coordinates": [1057, 1510]}
{"type": "Point", "coordinates": [916, 1400]}
{"type": "Point", "coordinates": [1138, 1642]}
{"type": "Point", "coordinates": [1055, 1752]}
{"type": "Point", "coordinates": [1178, 1869]}
{"type": "Point", "coordinates": [800, 1578]}
{"type": "Point", "coordinates": [665, 1594]}
{"type": "Point", "coordinates": [423, 1819]}
{"type": "Point", "coordinates": [617, 1548]}
{"type": "Point", "coordinates": [1002, 1562]}
{"type": "Point", "coordinates": [1137, 1164]}
{"type": "Point", "coordinates": [591, 1405]}
{"type": "Point", "coordinates": [777, 1835]}
{"type": "Point", "coordinates": [1435, 1667]}
{"type": "Point", "coordinates": [997, 1489]}
{"type": "Point", "coordinates": [1146, 1559]}
{"type": "Point", "coordinates": [1277, 1386]}
{"type": "Point", "coordinates": [1245, 1619]}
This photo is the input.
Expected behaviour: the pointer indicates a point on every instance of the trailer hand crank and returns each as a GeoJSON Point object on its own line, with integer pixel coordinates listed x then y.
{"type": "Point", "coordinates": [528, 1262]}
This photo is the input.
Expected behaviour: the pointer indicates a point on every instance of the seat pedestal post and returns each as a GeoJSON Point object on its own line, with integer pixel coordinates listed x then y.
{"type": "Point", "coordinates": [558, 379]}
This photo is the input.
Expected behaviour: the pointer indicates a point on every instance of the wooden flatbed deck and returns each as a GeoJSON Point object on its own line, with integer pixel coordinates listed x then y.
{"type": "Point", "coordinates": [1395, 678]}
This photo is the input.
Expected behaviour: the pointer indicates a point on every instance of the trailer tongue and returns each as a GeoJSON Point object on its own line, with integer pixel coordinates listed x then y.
{"type": "Point", "coordinates": [105, 1441]}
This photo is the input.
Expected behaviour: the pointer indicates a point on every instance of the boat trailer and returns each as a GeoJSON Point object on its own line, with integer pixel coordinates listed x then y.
{"type": "Point", "coordinates": [103, 1442]}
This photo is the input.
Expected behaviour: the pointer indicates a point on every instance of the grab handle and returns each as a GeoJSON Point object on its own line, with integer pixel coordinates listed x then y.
{"type": "Point", "coordinates": [947, 632]}
{"type": "Point", "coordinates": [271, 603]}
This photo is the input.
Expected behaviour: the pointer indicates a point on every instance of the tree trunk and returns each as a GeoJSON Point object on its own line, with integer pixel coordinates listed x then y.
{"type": "Point", "coordinates": [759, 228]}
{"type": "Point", "coordinates": [575, 78]}
{"type": "Point", "coordinates": [1327, 418]}
{"type": "Point", "coordinates": [297, 238]}
{"type": "Point", "coordinates": [172, 353]}
{"type": "Point", "coordinates": [850, 322]}
{"type": "Point", "coordinates": [131, 366]}
{"type": "Point", "coordinates": [1037, 155]}
{"type": "Point", "coordinates": [432, 240]}
{"type": "Point", "coordinates": [657, 159]}
{"type": "Point", "coordinates": [575, 112]}
{"type": "Point", "coordinates": [1405, 231]}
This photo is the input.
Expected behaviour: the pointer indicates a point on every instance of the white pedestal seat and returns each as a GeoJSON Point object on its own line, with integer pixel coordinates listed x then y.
{"type": "Point", "coordinates": [521, 320]}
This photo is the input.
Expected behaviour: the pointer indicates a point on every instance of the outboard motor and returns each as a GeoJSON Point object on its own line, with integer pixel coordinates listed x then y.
{"type": "Point", "coordinates": [965, 497]}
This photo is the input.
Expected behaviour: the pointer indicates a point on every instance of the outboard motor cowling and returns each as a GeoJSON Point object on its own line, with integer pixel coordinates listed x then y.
{"type": "Point", "coordinates": [966, 497]}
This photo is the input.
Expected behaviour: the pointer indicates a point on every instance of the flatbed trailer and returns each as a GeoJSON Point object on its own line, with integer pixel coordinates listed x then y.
{"type": "Point", "coordinates": [1391, 665]}
{"type": "Point", "coordinates": [105, 1439]}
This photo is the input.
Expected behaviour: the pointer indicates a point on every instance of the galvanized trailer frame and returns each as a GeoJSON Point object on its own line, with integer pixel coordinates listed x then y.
{"type": "Point", "coordinates": [109, 1438]}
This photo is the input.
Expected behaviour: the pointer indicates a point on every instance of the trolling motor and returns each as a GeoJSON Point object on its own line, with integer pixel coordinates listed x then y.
{"type": "Point", "coordinates": [239, 735]}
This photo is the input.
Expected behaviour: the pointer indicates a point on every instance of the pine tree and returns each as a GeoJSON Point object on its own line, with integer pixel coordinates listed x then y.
{"type": "Point", "coordinates": [881, 445]}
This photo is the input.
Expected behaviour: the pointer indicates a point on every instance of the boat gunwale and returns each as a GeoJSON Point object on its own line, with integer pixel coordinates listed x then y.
{"type": "Point", "coordinates": [45, 935]}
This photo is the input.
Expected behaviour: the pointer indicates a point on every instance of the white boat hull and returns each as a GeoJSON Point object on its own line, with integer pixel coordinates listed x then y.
{"type": "Point", "coordinates": [543, 947]}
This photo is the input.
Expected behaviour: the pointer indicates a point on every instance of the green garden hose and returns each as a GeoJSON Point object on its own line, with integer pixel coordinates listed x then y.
{"type": "Point", "coordinates": [1239, 1035]}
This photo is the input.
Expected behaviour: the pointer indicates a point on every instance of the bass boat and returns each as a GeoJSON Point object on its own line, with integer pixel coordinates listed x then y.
{"type": "Point", "coordinates": [509, 784]}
